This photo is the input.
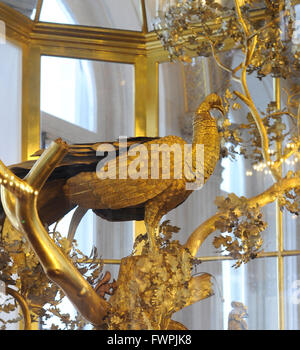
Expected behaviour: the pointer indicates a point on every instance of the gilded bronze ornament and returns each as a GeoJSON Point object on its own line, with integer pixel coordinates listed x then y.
{"type": "Point", "coordinates": [156, 283]}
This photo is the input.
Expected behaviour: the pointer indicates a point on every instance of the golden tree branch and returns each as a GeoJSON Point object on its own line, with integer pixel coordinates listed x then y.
{"type": "Point", "coordinates": [200, 288]}
{"type": "Point", "coordinates": [270, 24]}
{"type": "Point", "coordinates": [21, 209]}
{"type": "Point", "coordinates": [250, 51]}
{"type": "Point", "coordinates": [236, 69]}
{"type": "Point", "coordinates": [221, 65]}
{"type": "Point", "coordinates": [240, 17]}
{"type": "Point", "coordinates": [23, 305]}
{"type": "Point", "coordinates": [209, 226]}
{"type": "Point", "coordinates": [278, 163]}
{"type": "Point", "coordinates": [282, 113]}
{"type": "Point", "coordinates": [246, 96]}
{"type": "Point", "coordinates": [261, 129]}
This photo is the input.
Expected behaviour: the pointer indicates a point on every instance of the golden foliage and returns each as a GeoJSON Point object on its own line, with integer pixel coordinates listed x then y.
{"type": "Point", "coordinates": [20, 267]}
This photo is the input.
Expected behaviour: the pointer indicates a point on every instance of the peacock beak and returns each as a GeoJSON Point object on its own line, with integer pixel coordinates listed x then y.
{"type": "Point", "coordinates": [222, 110]}
{"type": "Point", "coordinates": [219, 106]}
{"type": "Point", "coordinates": [216, 102]}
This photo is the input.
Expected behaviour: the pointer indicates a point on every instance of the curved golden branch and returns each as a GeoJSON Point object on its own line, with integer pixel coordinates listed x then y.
{"type": "Point", "coordinates": [286, 156]}
{"type": "Point", "coordinates": [240, 17]}
{"type": "Point", "coordinates": [19, 199]}
{"type": "Point", "coordinates": [23, 305]}
{"type": "Point", "coordinates": [261, 129]}
{"type": "Point", "coordinates": [250, 45]}
{"type": "Point", "coordinates": [209, 226]}
{"type": "Point", "coordinates": [221, 65]}
{"type": "Point", "coordinates": [200, 288]}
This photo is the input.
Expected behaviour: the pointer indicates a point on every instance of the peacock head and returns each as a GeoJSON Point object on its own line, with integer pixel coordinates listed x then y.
{"type": "Point", "coordinates": [212, 101]}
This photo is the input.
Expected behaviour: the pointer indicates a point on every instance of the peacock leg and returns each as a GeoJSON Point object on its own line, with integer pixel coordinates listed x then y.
{"type": "Point", "coordinates": [151, 225]}
{"type": "Point", "coordinates": [151, 232]}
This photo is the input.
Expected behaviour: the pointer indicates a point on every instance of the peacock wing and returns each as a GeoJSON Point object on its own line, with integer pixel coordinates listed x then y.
{"type": "Point", "coordinates": [88, 191]}
{"type": "Point", "coordinates": [125, 181]}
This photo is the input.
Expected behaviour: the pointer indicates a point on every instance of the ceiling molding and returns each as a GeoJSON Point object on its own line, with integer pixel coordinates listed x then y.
{"type": "Point", "coordinates": [18, 26]}
{"type": "Point", "coordinates": [88, 41]}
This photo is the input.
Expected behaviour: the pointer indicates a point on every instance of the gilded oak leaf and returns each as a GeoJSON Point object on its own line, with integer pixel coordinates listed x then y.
{"type": "Point", "coordinates": [219, 201]}
{"type": "Point", "coordinates": [221, 240]}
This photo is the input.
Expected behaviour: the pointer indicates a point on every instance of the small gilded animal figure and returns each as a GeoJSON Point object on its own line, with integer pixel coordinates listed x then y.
{"type": "Point", "coordinates": [236, 318]}
{"type": "Point", "coordinates": [76, 181]}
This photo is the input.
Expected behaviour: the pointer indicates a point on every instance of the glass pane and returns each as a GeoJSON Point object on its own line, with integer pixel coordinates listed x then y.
{"type": "Point", "coordinates": [151, 8]}
{"type": "Point", "coordinates": [11, 103]}
{"type": "Point", "coordinates": [291, 222]}
{"type": "Point", "coordinates": [154, 7]}
{"type": "Point", "coordinates": [291, 229]}
{"type": "Point", "coordinates": [26, 7]}
{"type": "Point", "coordinates": [67, 90]}
{"type": "Point", "coordinates": [253, 284]}
{"type": "Point", "coordinates": [291, 292]}
{"type": "Point", "coordinates": [88, 94]}
{"type": "Point", "coordinates": [115, 14]}
{"type": "Point", "coordinates": [10, 130]}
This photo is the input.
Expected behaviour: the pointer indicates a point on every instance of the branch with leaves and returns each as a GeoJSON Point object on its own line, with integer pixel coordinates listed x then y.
{"type": "Point", "coordinates": [234, 207]}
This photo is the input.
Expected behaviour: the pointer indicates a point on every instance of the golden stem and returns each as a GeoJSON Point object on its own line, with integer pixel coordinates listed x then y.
{"type": "Point", "coordinates": [24, 307]}
{"type": "Point", "coordinates": [250, 51]}
{"type": "Point", "coordinates": [240, 17]}
{"type": "Point", "coordinates": [261, 129]}
{"type": "Point", "coordinates": [144, 13]}
{"type": "Point", "coordinates": [221, 65]}
{"type": "Point", "coordinates": [246, 96]}
{"type": "Point", "coordinates": [38, 10]}
{"type": "Point", "coordinates": [209, 226]}
{"type": "Point", "coordinates": [275, 20]}
{"type": "Point", "coordinates": [278, 163]}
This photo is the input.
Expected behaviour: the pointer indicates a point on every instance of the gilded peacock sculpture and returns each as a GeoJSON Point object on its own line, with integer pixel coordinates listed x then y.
{"type": "Point", "coordinates": [136, 194]}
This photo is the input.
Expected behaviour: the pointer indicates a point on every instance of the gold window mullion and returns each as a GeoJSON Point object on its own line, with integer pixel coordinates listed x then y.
{"type": "Point", "coordinates": [152, 102]}
{"type": "Point", "coordinates": [279, 224]}
{"type": "Point", "coordinates": [30, 101]}
{"type": "Point", "coordinates": [140, 95]}
{"type": "Point", "coordinates": [38, 10]}
{"type": "Point", "coordinates": [146, 107]}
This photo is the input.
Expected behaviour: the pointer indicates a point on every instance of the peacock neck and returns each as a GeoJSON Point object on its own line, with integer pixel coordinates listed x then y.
{"type": "Point", "coordinates": [198, 131]}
